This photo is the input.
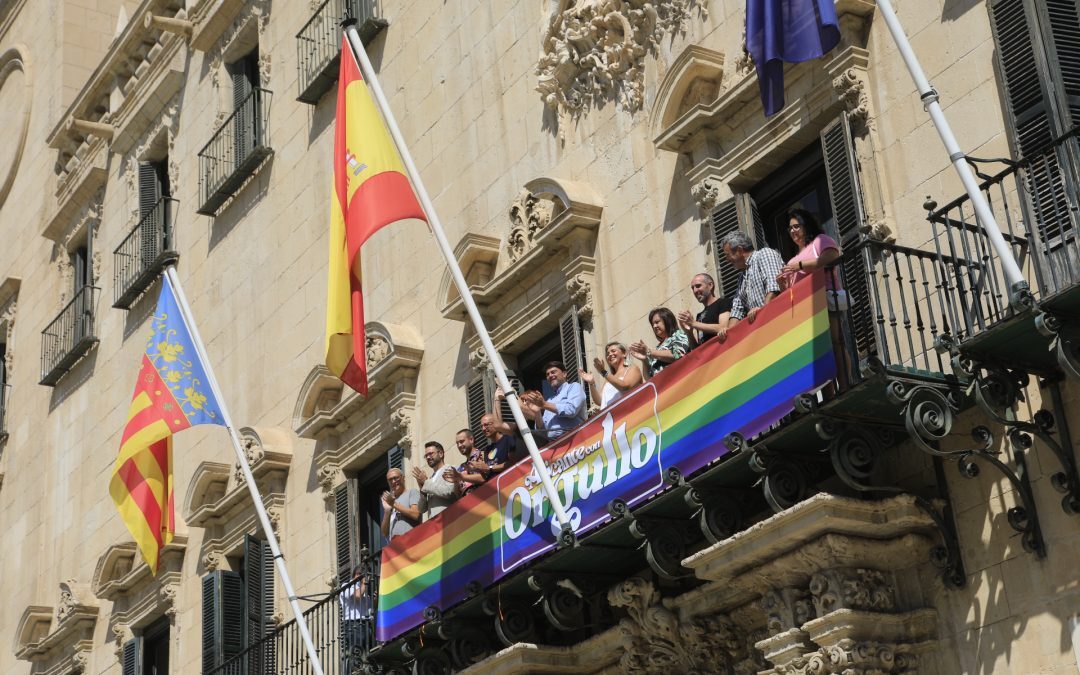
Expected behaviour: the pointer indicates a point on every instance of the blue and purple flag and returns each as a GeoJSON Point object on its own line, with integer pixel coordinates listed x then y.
{"type": "Point", "coordinates": [792, 31]}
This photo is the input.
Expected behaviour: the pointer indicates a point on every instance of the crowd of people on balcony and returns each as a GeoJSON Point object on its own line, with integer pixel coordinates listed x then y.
{"type": "Point", "coordinates": [763, 275]}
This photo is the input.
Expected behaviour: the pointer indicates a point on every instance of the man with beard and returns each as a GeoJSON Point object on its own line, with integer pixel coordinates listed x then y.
{"type": "Point", "coordinates": [441, 488]}
{"type": "Point", "coordinates": [714, 314]}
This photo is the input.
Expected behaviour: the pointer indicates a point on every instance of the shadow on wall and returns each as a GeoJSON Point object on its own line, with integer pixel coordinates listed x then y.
{"type": "Point", "coordinates": [954, 9]}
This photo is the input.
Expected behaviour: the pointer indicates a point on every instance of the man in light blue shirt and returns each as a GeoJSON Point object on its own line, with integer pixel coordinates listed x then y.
{"type": "Point", "coordinates": [564, 409]}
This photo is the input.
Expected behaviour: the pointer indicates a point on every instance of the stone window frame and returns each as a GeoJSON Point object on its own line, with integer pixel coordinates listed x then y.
{"type": "Point", "coordinates": [241, 31]}
{"type": "Point", "coordinates": [553, 226]}
{"type": "Point", "coordinates": [61, 638]}
{"type": "Point", "coordinates": [350, 430]}
{"type": "Point", "coordinates": [218, 501]}
{"type": "Point", "coordinates": [138, 597]}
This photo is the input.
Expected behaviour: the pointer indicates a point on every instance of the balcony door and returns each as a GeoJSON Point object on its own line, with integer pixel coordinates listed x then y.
{"type": "Point", "coordinates": [153, 188]}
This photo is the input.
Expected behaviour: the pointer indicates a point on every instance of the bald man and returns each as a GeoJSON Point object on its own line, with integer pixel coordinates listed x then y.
{"type": "Point", "coordinates": [401, 507]}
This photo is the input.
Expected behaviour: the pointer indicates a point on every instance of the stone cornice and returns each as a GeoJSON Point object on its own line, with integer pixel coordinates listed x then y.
{"type": "Point", "coordinates": [64, 644]}
{"type": "Point", "coordinates": [121, 570]}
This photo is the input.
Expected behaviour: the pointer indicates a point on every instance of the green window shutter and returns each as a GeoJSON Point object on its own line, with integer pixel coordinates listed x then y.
{"type": "Point", "coordinates": [725, 219]}
{"type": "Point", "coordinates": [841, 170]}
{"type": "Point", "coordinates": [395, 459]}
{"type": "Point", "coordinates": [258, 601]}
{"type": "Point", "coordinates": [222, 617]}
{"type": "Point", "coordinates": [572, 342]}
{"type": "Point", "coordinates": [132, 657]}
{"type": "Point", "coordinates": [346, 511]}
{"type": "Point", "coordinates": [476, 401]}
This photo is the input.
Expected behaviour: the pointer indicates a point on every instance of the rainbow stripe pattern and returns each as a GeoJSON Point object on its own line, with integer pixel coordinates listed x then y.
{"type": "Point", "coordinates": [678, 419]}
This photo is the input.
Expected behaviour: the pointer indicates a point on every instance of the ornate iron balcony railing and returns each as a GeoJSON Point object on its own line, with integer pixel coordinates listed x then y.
{"type": "Point", "coordinates": [1035, 202]}
{"type": "Point", "coordinates": [70, 336]}
{"type": "Point", "coordinates": [337, 642]}
{"type": "Point", "coordinates": [5, 398]}
{"type": "Point", "coordinates": [234, 152]}
{"type": "Point", "coordinates": [318, 44]}
{"type": "Point", "coordinates": [145, 251]}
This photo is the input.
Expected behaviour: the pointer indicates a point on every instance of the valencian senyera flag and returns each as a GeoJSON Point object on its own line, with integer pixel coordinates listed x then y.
{"type": "Point", "coordinates": [370, 191]}
{"type": "Point", "coordinates": [171, 394]}
{"type": "Point", "coordinates": [787, 31]}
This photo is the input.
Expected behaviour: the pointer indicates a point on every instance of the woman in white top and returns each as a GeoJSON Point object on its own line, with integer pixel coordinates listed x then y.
{"type": "Point", "coordinates": [620, 376]}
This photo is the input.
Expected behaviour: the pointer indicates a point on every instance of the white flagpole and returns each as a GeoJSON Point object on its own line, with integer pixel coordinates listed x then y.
{"type": "Point", "coordinates": [1019, 292]}
{"type": "Point", "coordinates": [253, 489]}
{"type": "Point", "coordinates": [459, 279]}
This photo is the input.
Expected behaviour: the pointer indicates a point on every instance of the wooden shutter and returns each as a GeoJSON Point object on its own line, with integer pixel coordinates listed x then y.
{"type": "Point", "coordinates": [572, 342]}
{"type": "Point", "coordinates": [132, 657]}
{"type": "Point", "coordinates": [395, 459]}
{"type": "Point", "coordinates": [258, 602]}
{"type": "Point", "coordinates": [476, 405]}
{"type": "Point", "coordinates": [245, 78]}
{"type": "Point", "coordinates": [346, 511]}
{"type": "Point", "coordinates": [842, 173]}
{"type": "Point", "coordinates": [150, 188]}
{"type": "Point", "coordinates": [222, 617]}
{"type": "Point", "coordinates": [725, 219]}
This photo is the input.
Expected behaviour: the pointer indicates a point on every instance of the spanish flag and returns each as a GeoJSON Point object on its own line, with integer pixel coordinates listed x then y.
{"type": "Point", "coordinates": [172, 393]}
{"type": "Point", "coordinates": [370, 191]}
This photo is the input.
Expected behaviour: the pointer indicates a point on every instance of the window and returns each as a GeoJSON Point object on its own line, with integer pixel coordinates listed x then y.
{"type": "Point", "coordinates": [823, 179]}
{"type": "Point", "coordinates": [566, 343]}
{"type": "Point", "coordinates": [1038, 65]}
{"type": "Point", "coordinates": [237, 609]}
{"type": "Point", "coordinates": [358, 513]}
{"type": "Point", "coordinates": [148, 654]}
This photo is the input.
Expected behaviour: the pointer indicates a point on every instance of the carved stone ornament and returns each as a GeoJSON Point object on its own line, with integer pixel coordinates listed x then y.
{"type": "Point", "coordinates": [275, 514]}
{"type": "Point", "coordinates": [851, 89]}
{"type": "Point", "coordinates": [706, 193]}
{"type": "Point", "coordinates": [787, 608]}
{"type": "Point", "coordinates": [529, 215]}
{"type": "Point", "coordinates": [655, 640]}
{"type": "Point", "coordinates": [121, 634]}
{"type": "Point", "coordinates": [168, 594]}
{"type": "Point", "coordinates": [213, 561]}
{"type": "Point", "coordinates": [478, 361]}
{"type": "Point", "coordinates": [594, 50]}
{"type": "Point", "coordinates": [327, 476]}
{"type": "Point", "coordinates": [860, 589]}
{"type": "Point", "coordinates": [580, 291]}
{"type": "Point", "coordinates": [377, 349]}
{"type": "Point", "coordinates": [401, 420]}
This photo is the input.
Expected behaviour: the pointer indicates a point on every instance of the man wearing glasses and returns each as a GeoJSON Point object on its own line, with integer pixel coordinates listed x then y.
{"type": "Point", "coordinates": [401, 507]}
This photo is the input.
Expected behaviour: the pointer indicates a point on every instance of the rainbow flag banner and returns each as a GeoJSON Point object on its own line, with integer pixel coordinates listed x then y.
{"type": "Point", "coordinates": [678, 419]}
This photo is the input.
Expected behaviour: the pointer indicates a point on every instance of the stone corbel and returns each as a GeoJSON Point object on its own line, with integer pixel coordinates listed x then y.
{"type": "Point", "coordinates": [61, 645]}
{"type": "Point", "coordinates": [329, 476]}
{"type": "Point", "coordinates": [168, 24]}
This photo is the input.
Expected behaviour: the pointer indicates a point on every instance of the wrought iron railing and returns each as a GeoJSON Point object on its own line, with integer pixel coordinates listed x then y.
{"type": "Point", "coordinates": [233, 153]}
{"type": "Point", "coordinates": [340, 642]}
{"type": "Point", "coordinates": [1035, 204]}
{"type": "Point", "coordinates": [69, 336]}
{"type": "Point", "coordinates": [318, 44]}
{"type": "Point", "coordinates": [145, 251]}
{"type": "Point", "coordinates": [5, 398]}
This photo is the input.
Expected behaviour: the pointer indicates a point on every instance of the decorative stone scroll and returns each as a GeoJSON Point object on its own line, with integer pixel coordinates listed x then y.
{"type": "Point", "coordinates": [218, 501]}
{"type": "Point", "coordinates": [62, 640]}
{"type": "Point", "coordinates": [594, 50]}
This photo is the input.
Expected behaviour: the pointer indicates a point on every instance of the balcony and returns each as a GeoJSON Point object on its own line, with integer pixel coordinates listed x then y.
{"type": "Point", "coordinates": [5, 399]}
{"type": "Point", "coordinates": [70, 336]}
{"type": "Point", "coordinates": [234, 152]}
{"type": "Point", "coordinates": [282, 651]}
{"type": "Point", "coordinates": [144, 253]}
{"type": "Point", "coordinates": [1035, 203]}
{"type": "Point", "coordinates": [318, 44]}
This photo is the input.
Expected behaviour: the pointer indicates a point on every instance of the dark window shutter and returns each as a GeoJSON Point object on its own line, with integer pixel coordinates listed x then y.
{"type": "Point", "coordinates": [150, 188]}
{"type": "Point", "coordinates": [222, 616]}
{"type": "Point", "coordinates": [750, 219]}
{"type": "Point", "coordinates": [259, 598]}
{"type": "Point", "coordinates": [395, 459]}
{"type": "Point", "coordinates": [132, 657]}
{"type": "Point", "coordinates": [476, 406]}
{"type": "Point", "coordinates": [1063, 17]}
{"type": "Point", "coordinates": [346, 511]}
{"type": "Point", "coordinates": [725, 219]}
{"type": "Point", "coordinates": [245, 78]}
{"type": "Point", "coordinates": [841, 171]}
{"type": "Point", "coordinates": [504, 407]}
{"type": "Point", "coordinates": [572, 342]}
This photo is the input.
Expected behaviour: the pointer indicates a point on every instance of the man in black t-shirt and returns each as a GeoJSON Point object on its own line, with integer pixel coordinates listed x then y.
{"type": "Point", "coordinates": [711, 318]}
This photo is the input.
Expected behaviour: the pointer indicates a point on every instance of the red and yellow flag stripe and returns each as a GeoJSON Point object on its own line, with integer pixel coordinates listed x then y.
{"type": "Point", "coordinates": [371, 191]}
{"type": "Point", "coordinates": [142, 482]}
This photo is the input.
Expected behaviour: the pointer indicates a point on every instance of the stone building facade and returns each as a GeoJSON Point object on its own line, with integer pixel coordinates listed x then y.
{"type": "Point", "coordinates": [583, 155]}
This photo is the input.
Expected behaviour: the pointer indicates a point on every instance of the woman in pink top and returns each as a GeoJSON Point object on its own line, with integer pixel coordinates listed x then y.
{"type": "Point", "coordinates": [818, 250]}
